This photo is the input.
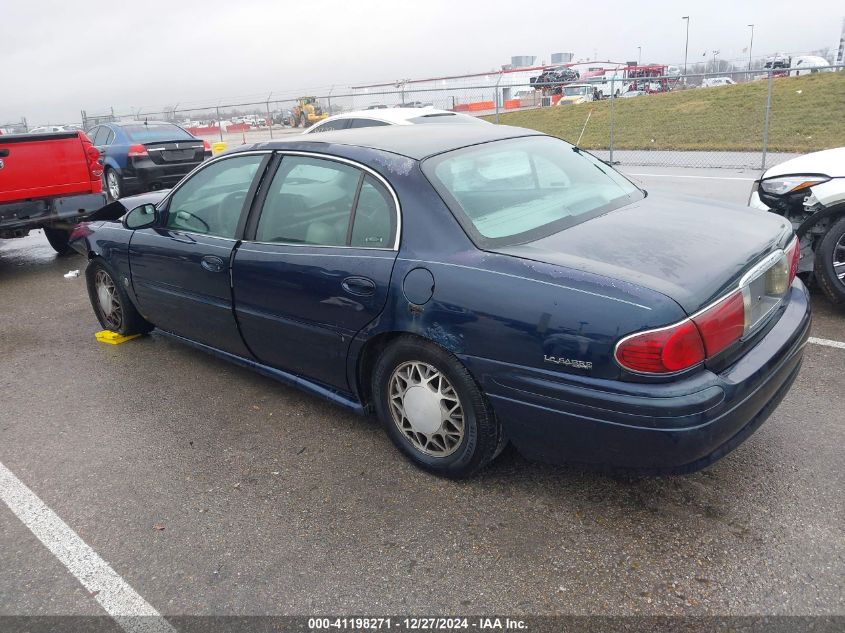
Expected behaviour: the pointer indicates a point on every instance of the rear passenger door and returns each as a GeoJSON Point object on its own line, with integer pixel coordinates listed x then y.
{"type": "Point", "coordinates": [314, 267]}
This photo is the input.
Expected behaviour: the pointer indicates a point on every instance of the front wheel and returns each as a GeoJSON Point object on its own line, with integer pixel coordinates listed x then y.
{"type": "Point", "coordinates": [114, 310]}
{"type": "Point", "coordinates": [433, 410]}
{"type": "Point", "coordinates": [830, 262]}
{"type": "Point", "coordinates": [303, 122]}
{"type": "Point", "coordinates": [58, 239]}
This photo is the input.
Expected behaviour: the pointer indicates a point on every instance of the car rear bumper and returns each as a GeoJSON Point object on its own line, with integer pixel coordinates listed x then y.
{"type": "Point", "coordinates": [63, 210]}
{"type": "Point", "coordinates": [147, 176]}
{"type": "Point", "coordinates": [680, 426]}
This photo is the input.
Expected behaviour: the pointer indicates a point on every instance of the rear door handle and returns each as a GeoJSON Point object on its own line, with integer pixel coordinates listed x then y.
{"type": "Point", "coordinates": [359, 286]}
{"type": "Point", "coordinates": [213, 264]}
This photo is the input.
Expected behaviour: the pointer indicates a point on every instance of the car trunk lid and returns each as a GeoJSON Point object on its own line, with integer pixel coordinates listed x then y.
{"type": "Point", "coordinates": [691, 251]}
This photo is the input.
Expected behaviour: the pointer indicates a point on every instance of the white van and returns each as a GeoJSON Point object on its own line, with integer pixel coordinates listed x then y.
{"type": "Point", "coordinates": [713, 82]}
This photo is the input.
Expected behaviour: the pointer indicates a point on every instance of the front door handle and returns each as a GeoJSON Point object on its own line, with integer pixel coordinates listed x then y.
{"type": "Point", "coordinates": [213, 264]}
{"type": "Point", "coordinates": [359, 286]}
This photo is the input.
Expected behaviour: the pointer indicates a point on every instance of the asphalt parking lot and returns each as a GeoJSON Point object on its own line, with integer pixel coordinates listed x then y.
{"type": "Point", "coordinates": [212, 490]}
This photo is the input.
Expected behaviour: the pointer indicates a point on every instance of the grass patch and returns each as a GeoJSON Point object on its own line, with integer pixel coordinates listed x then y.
{"type": "Point", "coordinates": [807, 115]}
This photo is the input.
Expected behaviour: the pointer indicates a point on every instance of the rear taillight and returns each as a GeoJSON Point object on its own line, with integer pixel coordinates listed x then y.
{"type": "Point", "coordinates": [92, 154]}
{"type": "Point", "coordinates": [723, 324]}
{"type": "Point", "coordinates": [136, 151]}
{"type": "Point", "coordinates": [662, 351]}
{"type": "Point", "coordinates": [206, 145]}
{"type": "Point", "coordinates": [793, 256]}
{"type": "Point", "coordinates": [710, 332]}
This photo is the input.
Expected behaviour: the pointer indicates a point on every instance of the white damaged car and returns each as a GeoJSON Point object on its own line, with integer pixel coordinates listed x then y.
{"type": "Point", "coordinates": [810, 192]}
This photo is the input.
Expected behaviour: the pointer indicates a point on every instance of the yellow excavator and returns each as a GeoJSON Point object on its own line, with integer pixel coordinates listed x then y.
{"type": "Point", "coordinates": [307, 112]}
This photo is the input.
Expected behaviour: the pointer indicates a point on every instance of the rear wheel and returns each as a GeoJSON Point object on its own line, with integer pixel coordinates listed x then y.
{"type": "Point", "coordinates": [111, 304]}
{"type": "Point", "coordinates": [433, 410]}
{"type": "Point", "coordinates": [58, 239]}
{"type": "Point", "coordinates": [830, 262]}
{"type": "Point", "coordinates": [113, 184]}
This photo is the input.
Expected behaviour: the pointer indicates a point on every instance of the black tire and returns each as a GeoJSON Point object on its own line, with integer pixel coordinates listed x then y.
{"type": "Point", "coordinates": [303, 121]}
{"type": "Point", "coordinates": [110, 173]}
{"type": "Point", "coordinates": [58, 239]}
{"type": "Point", "coordinates": [131, 322]}
{"type": "Point", "coordinates": [482, 437]}
{"type": "Point", "coordinates": [831, 249]}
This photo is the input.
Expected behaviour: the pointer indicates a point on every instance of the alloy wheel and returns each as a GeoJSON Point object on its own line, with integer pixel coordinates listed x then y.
{"type": "Point", "coordinates": [113, 185]}
{"type": "Point", "coordinates": [839, 259]}
{"type": "Point", "coordinates": [108, 300]}
{"type": "Point", "coordinates": [426, 408]}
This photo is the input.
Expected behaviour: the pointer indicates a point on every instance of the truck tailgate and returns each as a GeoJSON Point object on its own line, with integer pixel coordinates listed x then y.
{"type": "Point", "coordinates": [42, 166]}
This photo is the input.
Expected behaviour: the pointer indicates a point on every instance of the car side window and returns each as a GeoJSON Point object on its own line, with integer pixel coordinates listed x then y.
{"type": "Point", "coordinates": [211, 201]}
{"type": "Point", "coordinates": [309, 202]}
{"type": "Point", "coordinates": [102, 135]}
{"type": "Point", "coordinates": [373, 225]}
{"type": "Point", "coordinates": [110, 138]}
{"type": "Point", "coordinates": [366, 123]}
{"type": "Point", "coordinates": [338, 124]}
{"type": "Point", "coordinates": [92, 133]}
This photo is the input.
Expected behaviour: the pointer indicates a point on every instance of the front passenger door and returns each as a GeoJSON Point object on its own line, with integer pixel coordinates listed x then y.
{"type": "Point", "coordinates": [181, 269]}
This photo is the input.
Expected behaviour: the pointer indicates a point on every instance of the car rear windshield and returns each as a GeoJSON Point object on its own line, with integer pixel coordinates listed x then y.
{"type": "Point", "coordinates": [156, 132]}
{"type": "Point", "coordinates": [519, 190]}
{"type": "Point", "coordinates": [445, 117]}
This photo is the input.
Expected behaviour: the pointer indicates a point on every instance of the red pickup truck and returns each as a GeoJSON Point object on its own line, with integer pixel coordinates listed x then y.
{"type": "Point", "coordinates": [51, 181]}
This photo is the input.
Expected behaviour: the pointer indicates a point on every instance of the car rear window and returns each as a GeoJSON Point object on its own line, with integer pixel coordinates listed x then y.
{"type": "Point", "coordinates": [155, 132]}
{"type": "Point", "coordinates": [445, 117]}
{"type": "Point", "coordinates": [519, 190]}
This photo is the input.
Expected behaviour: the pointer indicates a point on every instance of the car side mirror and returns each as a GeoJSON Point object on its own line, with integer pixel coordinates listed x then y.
{"type": "Point", "coordinates": [141, 217]}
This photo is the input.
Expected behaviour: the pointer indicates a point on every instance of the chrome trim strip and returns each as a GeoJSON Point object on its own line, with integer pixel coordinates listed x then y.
{"type": "Point", "coordinates": [339, 159]}
{"type": "Point", "coordinates": [369, 170]}
{"type": "Point", "coordinates": [761, 267]}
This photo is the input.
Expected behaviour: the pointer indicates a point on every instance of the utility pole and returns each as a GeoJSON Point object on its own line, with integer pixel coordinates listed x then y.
{"type": "Point", "coordinates": [686, 46]}
{"type": "Point", "coordinates": [715, 70]}
{"type": "Point", "coordinates": [750, 46]}
{"type": "Point", "coordinates": [639, 55]}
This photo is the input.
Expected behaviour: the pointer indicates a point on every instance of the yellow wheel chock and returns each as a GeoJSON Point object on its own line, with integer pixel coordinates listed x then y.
{"type": "Point", "coordinates": [113, 338]}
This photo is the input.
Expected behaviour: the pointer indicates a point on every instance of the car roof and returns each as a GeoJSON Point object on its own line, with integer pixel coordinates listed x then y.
{"type": "Point", "coordinates": [413, 141]}
{"type": "Point", "coordinates": [124, 123]}
{"type": "Point", "coordinates": [389, 115]}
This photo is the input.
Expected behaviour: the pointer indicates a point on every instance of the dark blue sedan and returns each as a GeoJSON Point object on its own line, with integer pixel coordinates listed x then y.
{"type": "Point", "coordinates": [141, 156]}
{"type": "Point", "coordinates": [471, 286]}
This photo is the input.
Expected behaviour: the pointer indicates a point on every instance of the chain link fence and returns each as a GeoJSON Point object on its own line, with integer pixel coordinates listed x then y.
{"type": "Point", "coordinates": [732, 119]}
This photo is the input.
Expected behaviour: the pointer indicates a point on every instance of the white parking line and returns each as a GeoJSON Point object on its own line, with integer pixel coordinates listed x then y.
{"type": "Point", "coordinates": [826, 342]}
{"type": "Point", "coordinates": [121, 602]}
{"type": "Point", "coordinates": [698, 177]}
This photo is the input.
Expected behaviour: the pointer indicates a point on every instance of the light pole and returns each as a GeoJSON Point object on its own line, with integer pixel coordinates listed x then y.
{"type": "Point", "coordinates": [639, 55]}
{"type": "Point", "coordinates": [715, 70]}
{"type": "Point", "coordinates": [686, 45]}
{"type": "Point", "coordinates": [750, 46]}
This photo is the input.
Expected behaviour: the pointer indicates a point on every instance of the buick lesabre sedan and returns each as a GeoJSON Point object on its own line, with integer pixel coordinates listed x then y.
{"type": "Point", "coordinates": [471, 286]}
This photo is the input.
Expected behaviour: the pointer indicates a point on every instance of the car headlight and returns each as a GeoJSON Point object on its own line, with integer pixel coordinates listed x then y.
{"type": "Point", "coordinates": [788, 184]}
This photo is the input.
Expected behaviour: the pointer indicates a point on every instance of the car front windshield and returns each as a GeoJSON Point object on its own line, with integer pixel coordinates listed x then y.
{"type": "Point", "coordinates": [575, 92]}
{"type": "Point", "coordinates": [518, 190]}
{"type": "Point", "coordinates": [155, 132]}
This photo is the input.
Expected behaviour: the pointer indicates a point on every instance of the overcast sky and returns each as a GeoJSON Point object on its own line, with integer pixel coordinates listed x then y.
{"type": "Point", "coordinates": [62, 56]}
